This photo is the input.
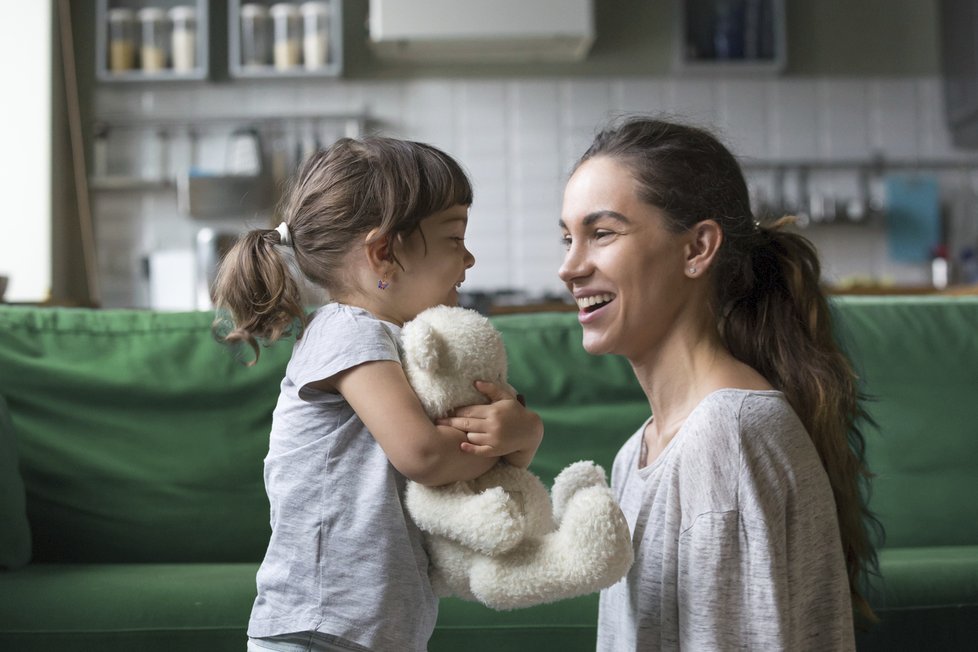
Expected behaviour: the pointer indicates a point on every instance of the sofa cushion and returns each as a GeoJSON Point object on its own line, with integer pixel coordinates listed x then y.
{"type": "Point", "coordinates": [926, 576]}
{"type": "Point", "coordinates": [141, 438]}
{"type": "Point", "coordinates": [918, 356]}
{"type": "Point", "coordinates": [15, 534]}
{"type": "Point", "coordinates": [125, 607]}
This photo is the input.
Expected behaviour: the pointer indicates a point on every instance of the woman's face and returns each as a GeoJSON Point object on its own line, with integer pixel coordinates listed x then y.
{"type": "Point", "coordinates": [624, 267]}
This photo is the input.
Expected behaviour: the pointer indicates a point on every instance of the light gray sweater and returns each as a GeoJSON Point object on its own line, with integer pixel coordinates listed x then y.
{"type": "Point", "coordinates": [737, 543]}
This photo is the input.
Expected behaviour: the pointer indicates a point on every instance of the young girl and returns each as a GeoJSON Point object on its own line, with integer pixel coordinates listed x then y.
{"type": "Point", "coordinates": [380, 225]}
{"type": "Point", "coordinates": [743, 488]}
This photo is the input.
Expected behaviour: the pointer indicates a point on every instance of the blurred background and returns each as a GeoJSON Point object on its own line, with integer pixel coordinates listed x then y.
{"type": "Point", "coordinates": [142, 136]}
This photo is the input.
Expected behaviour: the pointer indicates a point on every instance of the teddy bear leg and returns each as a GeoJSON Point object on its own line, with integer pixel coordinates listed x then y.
{"type": "Point", "coordinates": [489, 521]}
{"type": "Point", "coordinates": [572, 479]}
{"type": "Point", "coordinates": [590, 551]}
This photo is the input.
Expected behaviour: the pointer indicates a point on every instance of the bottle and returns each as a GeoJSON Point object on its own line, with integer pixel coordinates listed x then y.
{"type": "Point", "coordinates": [154, 44]}
{"type": "Point", "coordinates": [183, 39]}
{"type": "Point", "coordinates": [122, 39]}
{"type": "Point", "coordinates": [256, 43]}
{"type": "Point", "coordinates": [287, 51]}
{"type": "Point", "coordinates": [315, 34]}
{"type": "Point", "coordinates": [938, 267]}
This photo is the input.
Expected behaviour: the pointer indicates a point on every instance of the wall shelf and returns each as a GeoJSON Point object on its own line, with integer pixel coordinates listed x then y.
{"type": "Point", "coordinates": [731, 36]}
{"type": "Point", "coordinates": [124, 55]}
{"type": "Point", "coordinates": [256, 49]}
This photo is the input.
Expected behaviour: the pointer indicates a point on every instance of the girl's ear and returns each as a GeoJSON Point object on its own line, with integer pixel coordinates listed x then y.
{"type": "Point", "coordinates": [704, 241]}
{"type": "Point", "coordinates": [377, 248]}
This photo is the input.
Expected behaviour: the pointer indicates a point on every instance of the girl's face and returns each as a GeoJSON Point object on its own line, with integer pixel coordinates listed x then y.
{"type": "Point", "coordinates": [434, 258]}
{"type": "Point", "coordinates": [624, 267]}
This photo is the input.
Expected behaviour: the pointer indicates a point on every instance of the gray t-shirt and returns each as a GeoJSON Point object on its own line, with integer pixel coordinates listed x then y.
{"type": "Point", "coordinates": [344, 558]}
{"type": "Point", "coordinates": [736, 538]}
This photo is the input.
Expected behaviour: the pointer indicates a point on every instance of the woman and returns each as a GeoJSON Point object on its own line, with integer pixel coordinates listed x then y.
{"type": "Point", "coordinates": [743, 489]}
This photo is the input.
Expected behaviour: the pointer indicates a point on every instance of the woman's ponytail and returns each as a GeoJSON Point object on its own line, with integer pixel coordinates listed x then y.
{"type": "Point", "coordinates": [256, 292]}
{"type": "Point", "coordinates": [775, 317]}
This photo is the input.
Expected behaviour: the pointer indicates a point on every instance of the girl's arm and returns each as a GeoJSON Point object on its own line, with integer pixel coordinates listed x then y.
{"type": "Point", "coordinates": [503, 428]}
{"type": "Point", "coordinates": [422, 451]}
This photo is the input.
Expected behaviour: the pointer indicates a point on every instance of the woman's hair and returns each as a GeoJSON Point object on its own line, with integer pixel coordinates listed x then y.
{"type": "Point", "coordinates": [766, 295]}
{"type": "Point", "coordinates": [338, 195]}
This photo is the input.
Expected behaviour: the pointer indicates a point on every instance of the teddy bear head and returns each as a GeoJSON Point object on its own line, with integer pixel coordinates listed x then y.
{"type": "Point", "coordinates": [446, 349]}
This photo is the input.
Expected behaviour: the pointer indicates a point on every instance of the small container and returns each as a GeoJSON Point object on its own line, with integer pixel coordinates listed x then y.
{"type": "Point", "coordinates": [122, 39]}
{"type": "Point", "coordinates": [183, 38]}
{"type": "Point", "coordinates": [154, 46]}
{"type": "Point", "coordinates": [256, 36]}
{"type": "Point", "coordinates": [287, 39]}
{"type": "Point", "coordinates": [315, 34]}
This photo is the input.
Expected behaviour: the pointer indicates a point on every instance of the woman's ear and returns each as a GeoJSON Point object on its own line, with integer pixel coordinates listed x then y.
{"type": "Point", "coordinates": [704, 240]}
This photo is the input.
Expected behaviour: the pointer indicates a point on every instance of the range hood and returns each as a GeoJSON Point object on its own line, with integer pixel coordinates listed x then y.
{"type": "Point", "coordinates": [481, 31]}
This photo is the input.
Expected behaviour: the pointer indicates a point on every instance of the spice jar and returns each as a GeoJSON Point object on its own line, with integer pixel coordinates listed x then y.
{"type": "Point", "coordinates": [122, 39]}
{"type": "Point", "coordinates": [315, 34]}
{"type": "Point", "coordinates": [285, 19]}
{"type": "Point", "coordinates": [154, 45]}
{"type": "Point", "coordinates": [183, 38]}
{"type": "Point", "coordinates": [256, 36]}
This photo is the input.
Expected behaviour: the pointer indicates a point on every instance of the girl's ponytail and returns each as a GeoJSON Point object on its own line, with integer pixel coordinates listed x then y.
{"type": "Point", "coordinates": [257, 292]}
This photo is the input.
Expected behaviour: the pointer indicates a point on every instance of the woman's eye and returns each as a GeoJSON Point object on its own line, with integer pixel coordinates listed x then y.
{"type": "Point", "coordinates": [566, 241]}
{"type": "Point", "coordinates": [601, 233]}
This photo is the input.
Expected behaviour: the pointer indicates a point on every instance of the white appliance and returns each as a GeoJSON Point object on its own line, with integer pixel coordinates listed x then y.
{"type": "Point", "coordinates": [481, 31]}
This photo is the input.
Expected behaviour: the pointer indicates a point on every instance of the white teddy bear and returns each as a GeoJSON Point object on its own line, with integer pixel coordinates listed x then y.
{"type": "Point", "coordinates": [498, 539]}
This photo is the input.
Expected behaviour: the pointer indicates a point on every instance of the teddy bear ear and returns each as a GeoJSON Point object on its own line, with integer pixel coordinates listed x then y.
{"type": "Point", "coordinates": [423, 347]}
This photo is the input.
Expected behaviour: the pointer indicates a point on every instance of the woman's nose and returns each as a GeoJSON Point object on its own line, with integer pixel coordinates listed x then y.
{"type": "Point", "coordinates": [573, 265]}
{"type": "Point", "coordinates": [469, 259]}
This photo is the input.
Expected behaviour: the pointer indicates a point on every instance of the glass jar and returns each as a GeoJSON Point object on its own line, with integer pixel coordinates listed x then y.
{"type": "Point", "coordinates": [183, 38]}
{"type": "Point", "coordinates": [256, 36]}
{"type": "Point", "coordinates": [122, 39]}
{"type": "Point", "coordinates": [286, 21]}
{"type": "Point", "coordinates": [154, 44]}
{"type": "Point", "coordinates": [315, 34]}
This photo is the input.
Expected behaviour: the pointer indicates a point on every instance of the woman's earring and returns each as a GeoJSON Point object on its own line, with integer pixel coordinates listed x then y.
{"type": "Point", "coordinates": [382, 284]}
{"type": "Point", "coordinates": [692, 270]}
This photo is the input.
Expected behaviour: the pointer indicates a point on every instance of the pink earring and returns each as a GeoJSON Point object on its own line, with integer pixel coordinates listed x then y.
{"type": "Point", "coordinates": [382, 284]}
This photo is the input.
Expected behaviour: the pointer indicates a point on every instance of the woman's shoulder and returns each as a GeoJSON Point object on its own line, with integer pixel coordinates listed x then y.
{"type": "Point", "coordinates": [728, 419]}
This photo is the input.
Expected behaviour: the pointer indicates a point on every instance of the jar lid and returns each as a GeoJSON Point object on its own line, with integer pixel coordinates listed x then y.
{"type": "Point", "coordinates": [121, 13]}
{"type": "Point", "coordinates": [152, 13]}
{"type": "Point", "coordinates": [183, 12]}
{"type": "Point", "coordinates": [315, 8]}
{"type": "Point", "coordinates": [285, 9]}
{"type": "Point", "coordinates": [254, 10]}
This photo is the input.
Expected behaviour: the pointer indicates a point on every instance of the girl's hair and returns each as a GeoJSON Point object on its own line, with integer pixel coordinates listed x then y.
{"type": "Point", "coordinates": [338, 195]}
{"type": "Point", "coordinates": [766, 295]}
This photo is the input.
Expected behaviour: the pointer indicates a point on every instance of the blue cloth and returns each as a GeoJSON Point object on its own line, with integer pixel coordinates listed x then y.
{"type": "Point", "coordinates": [913, 217]}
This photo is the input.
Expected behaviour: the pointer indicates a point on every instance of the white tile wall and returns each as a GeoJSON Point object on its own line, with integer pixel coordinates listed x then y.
{"type": "Point", "coordinates": [518, 139]}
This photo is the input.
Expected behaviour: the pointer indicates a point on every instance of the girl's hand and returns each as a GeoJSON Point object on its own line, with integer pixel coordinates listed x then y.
{"type": "Point", "coordinates": [503, 428]}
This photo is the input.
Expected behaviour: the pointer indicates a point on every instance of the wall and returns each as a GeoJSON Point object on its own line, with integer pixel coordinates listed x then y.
{"type": "Point", "coordinates": [518, 133]}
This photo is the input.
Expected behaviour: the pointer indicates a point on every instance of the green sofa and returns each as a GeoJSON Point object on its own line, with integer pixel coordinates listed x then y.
{"type": "Point", "coordinates": [138, 494]}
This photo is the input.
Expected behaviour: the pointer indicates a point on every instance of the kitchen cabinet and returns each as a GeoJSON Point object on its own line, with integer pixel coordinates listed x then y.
{"type": "Point", "coordinates": [151, 41]}
{"type": "Point", "coordinates": [958, 22]}
{"type": "Point", "coordinates": [731, 36]}
{"type": "Point", "coordinates": [285, 39]}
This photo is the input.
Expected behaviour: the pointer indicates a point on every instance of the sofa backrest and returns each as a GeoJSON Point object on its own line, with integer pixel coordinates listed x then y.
{"type": "Point", "coordinates": [917, 358]}
{"type": "Point", "coordinates": [140, 437]}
